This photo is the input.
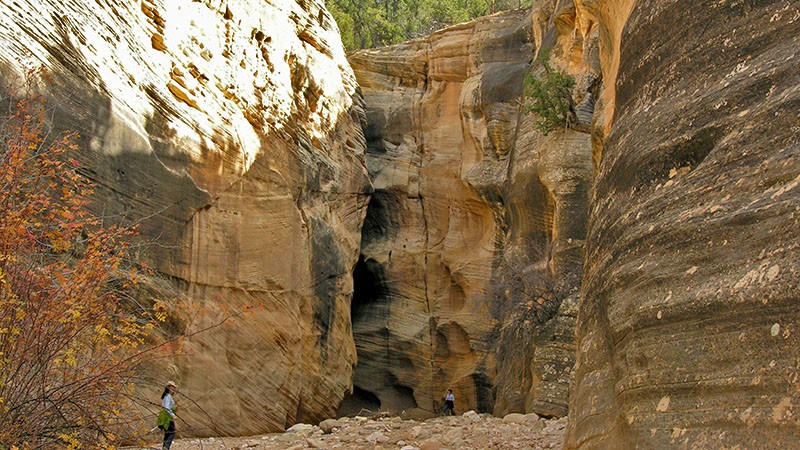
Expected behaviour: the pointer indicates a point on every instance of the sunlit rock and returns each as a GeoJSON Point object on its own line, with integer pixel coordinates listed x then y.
{"type": "Point", "coordinates": [231, 132]}
{"type": "Point", "coordinates": [469, 198]}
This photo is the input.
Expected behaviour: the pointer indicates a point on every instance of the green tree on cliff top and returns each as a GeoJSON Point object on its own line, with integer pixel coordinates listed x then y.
{"type": "Point", "coordinates": [374, 23]}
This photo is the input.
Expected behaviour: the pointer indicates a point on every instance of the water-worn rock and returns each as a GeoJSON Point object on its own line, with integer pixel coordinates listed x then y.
{"type": "Point", "coordinates": [328, 425]}
{"type": "Point", "coordinates": [546, 195]}
{"type": "Point", "coordinates": [300, 428]}
{"type": "Point", "coordinates": [231, 132]}
{"type": "Point", "coordinates": [441, 117]}
{"type": "Point", "coordinates": [514, 418]}
{"type": "Point", "coordinates": [476, 227]}
{"type": "Point", "coordinates": [688, 327]}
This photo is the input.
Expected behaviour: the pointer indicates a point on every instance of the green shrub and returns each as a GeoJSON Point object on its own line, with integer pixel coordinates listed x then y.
{"type": "Point", "coordinates": [550, 96]}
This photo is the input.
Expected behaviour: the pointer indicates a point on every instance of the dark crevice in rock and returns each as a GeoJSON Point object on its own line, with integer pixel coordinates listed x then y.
{"type": "Point", "coordinates": [368, 286]}
{"type": "Point", "coordinates": [358, 402]}
{"type": "Point", "coordinates": [375, 386]}
{"type": "Point", "coordinates": [484, 389]}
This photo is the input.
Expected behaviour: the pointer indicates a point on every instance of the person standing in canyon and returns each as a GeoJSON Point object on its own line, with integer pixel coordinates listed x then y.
{"type": "Point", "coordinates": [449, 404]}
{"type": "Point", "coordinates": [166, 418]}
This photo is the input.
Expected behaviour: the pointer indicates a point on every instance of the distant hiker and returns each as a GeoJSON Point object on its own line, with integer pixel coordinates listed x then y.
{"type": "Point", "coordinates": [449, 404]}
{"type": "Point", "coordinates": [166, 418]}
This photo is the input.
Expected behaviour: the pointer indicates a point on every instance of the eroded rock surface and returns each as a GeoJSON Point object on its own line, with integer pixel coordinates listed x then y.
{"type": "Point", "coordinates": [688, 329]}
{"type": "Point", "coordinates": [475, 233]}
{"type": "Point", "coordinates": [550, 176]}
{"type": "Point", "coordinates": [441, 117]}
{"type": "Point", "coordinates": [231, 131]}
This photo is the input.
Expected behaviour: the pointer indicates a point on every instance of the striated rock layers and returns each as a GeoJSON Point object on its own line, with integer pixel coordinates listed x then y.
{"type": "Point", "coordinates": [538, 275]}
{"type": "Point", "coordinates": [477, 222]}
{"type": "Point", "coordinates": [231, 132]}
{"type": "Point", "coordinates": [688, 328]}
{"type": "Point", "coordinates": [441, 112]}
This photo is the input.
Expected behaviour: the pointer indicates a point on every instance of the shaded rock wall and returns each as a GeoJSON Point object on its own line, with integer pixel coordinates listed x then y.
{"type": "Point", "coordinates": [474, 235]}
{"type": "Point", "coordinates": [441, 115]}
{"type": "Point", "coordinates": [232, 134]}
{"type": "Point", "coordinates": [687, 331]}
{"type": "Point", "coordinates": [539, 271]}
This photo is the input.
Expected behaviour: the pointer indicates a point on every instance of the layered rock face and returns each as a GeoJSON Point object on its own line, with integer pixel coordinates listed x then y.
{"type": "Point", "coordinates": [441, 117]}
{"type": "Point", "coordinates": [474, 234]}
{"type": "Point", "coordinates": [688, 327]}
{"type": "Point", "coordinates": [232, 134]}
{"type": "Point", "coordinates": [547, 196]}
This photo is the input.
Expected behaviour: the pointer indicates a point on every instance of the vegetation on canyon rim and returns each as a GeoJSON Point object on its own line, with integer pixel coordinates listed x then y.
{"type": "Point", "coordinates": [71, 333]}
{"type": "Point", "coordinates": [375, 23]}
{"type": "Point", "coordinates": [549, 96]}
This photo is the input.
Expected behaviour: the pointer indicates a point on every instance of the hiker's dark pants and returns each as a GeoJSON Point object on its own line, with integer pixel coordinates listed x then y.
{"type": "Point", "coordinates": [448, 408]}
{"type": "Point", "coordinates": [169, 435]}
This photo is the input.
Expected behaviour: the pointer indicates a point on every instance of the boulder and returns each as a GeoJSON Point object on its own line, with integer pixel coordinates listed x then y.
{"type": "Point", "coordinates": [328, 425]}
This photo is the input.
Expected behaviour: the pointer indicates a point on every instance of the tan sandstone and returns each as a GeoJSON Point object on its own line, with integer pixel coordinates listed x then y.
{"type": "Point", "coordinates": [231, 132]}
{"type": "Point", "coordinates": [687, 330]}
{"type": "Point", "coordinates": [469, 198]}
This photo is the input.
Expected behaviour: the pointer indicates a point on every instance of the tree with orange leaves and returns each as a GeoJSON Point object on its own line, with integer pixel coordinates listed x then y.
{"type": "Point", "coordinates": [70, 339]}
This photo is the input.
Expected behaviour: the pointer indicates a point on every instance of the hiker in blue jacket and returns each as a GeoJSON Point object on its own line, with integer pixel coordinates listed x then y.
{"type": "Point", "coordinates": [449, 404]}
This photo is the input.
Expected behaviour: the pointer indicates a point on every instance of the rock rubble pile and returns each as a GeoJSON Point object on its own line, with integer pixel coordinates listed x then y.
{"type": "Point", "coordinates": [467, 431]}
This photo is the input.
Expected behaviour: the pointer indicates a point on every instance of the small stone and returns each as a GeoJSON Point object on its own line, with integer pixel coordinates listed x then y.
{"type": "Point", "coordinates": [377, 437]}
{"type": "Point", "coordinates": [431, 444]}
{"type": "Point", "coordinates": [453, 437]}
{"type": "Point", "coordinates": [514, 418]}
{"type": "Point", "coordinates": [315, 443]}
{"type": "Point", "coordinates": [472, 416]}
{"type": "Point", "coordinates": [287, 437]}
{"type": "Point", "coordinates": [300, 427]}
{"type": "Point", "coordinates": [531, 418]}
{"type": "Point", "coordinates": [328, 425]}
{"type": "Point", "coordinates": [536, 426]}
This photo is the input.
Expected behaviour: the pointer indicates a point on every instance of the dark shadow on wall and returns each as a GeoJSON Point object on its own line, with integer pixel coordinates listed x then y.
{"type": "Point", "coordinates": [366, 314]}
{"type": "Point", "coordinates": [368, 287]}
{"type": "Point", "coordinates": [357, 402]}
{"type": "Point", "coordinates": [376, 386]}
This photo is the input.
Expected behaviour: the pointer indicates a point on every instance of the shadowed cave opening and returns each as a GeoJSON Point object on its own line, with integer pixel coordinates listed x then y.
{"type": "Point", "coordinates": [368, 288]}
{"type": "Point", "coordinates": [359, 400]}
{"type": "Point", "coordinates": [375, 386]}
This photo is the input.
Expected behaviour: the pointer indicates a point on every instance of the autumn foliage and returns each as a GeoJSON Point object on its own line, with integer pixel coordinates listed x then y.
{"type": "Point", "coordinates": [70, 334]}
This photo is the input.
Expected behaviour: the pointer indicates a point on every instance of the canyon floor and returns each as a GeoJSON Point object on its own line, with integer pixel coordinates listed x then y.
{"type": "Point", "coordinates": [467, 431]}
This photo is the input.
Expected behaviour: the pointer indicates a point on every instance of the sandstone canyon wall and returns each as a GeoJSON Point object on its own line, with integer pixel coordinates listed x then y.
{"type": "Point", "coordinates": [442, 113]}
{"type": "Point", "coordinates": [231, 131]}
{"type": "Point", "coordinates": [688, 326]}
{"type": "Point", "coordinates": [473, 243]}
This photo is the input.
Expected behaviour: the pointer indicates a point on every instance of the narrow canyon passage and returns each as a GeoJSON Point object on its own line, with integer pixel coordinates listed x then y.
{"type": "Point", "coordinates": [375, 387]}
